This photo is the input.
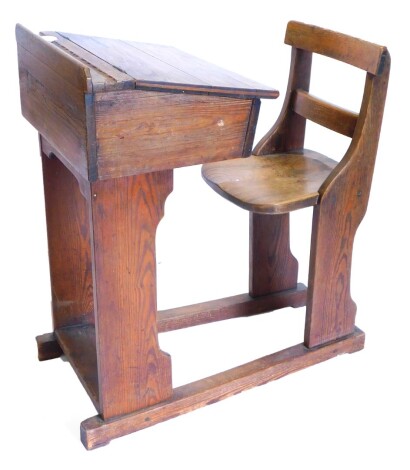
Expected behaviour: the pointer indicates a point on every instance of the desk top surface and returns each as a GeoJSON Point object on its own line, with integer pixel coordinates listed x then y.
{"type": "Point", "coordinates": [117, 65]}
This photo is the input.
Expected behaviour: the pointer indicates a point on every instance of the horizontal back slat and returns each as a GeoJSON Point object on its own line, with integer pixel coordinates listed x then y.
{"type": "Point", "coordinates": [362, 54]}
{"type": "Point", "coordinates": [326, 114]}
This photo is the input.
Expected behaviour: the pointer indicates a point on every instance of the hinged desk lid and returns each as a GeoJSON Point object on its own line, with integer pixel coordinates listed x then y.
{"type": "Point", "coordinates": [116, 64]}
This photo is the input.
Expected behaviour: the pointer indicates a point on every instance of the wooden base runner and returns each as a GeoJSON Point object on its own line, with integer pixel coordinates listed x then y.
{"type": "Point", "coordinates": [95, 432]}
{"type": "Point", "coordinates": [48, 347]}
{"type": "Point", "coordinates": [78, 344]}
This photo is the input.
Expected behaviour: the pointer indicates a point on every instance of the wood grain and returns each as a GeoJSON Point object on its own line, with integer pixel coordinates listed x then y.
{"type": "Point", "coordinates": [104, 76]}
{"type": "Point", "coordinates": [354, 51]}
{"type": "Point", "coordinates": [330, 311]}
{"type": "Point", "coordinates": [79, 346]}
{"type": "Point", "coordinates": [132, 61]}
{"type": "Point", "coordinates": [53, 90]}
{"type": "Point", "coordinates": [55, 109]}
{"type": "Point", "coordinates": [69, 246]}
{"type": "Point", "coordinates": [48, 347]}
{"type": "Point", "coordinates": [241, 305]}
{"type": "Point", "coordinates": [271, 184]}
{"type": "Point", "coordinates": [66, 93]}
{"type": "Point", "coordinates": [325, 114]}
{"type": "Point", "coordinates": [132, 371]}
{"type": "Point", "coordinates": [250, 132]}
{"type": "Point", "coordinates": [283, 176]}
{"type": "Point", "coordinates": [78, 94]}
{"type": "Point", "coordinates": [288, 132]}
{"type": "Point", "coordinates": [104, 231]}
{"type": "Point", "coordinates": [140, 131]}
{"type": "Point", "coordinates": [272, 267]}
{"type": "Point", "coordinates": [95, 432]}
{"type": "Point", "coordinates": [69, 69]}
{"type": "Point", "coordinates": [205, 72]}
{"type": "Point", "coordinates": [167, 68]}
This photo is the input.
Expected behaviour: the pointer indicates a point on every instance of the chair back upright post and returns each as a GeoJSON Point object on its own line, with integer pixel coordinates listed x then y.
{"type": "Point", "coordinates": [344, 195]}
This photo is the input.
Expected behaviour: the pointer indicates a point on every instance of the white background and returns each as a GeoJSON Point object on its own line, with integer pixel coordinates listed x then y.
{"type": "Point", "coordinates": [351, 412]}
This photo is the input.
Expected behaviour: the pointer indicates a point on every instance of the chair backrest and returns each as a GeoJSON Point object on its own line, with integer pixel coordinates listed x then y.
{"type": "Point", "coordinates": [299, 105]}
{"type": "Point", "coordinates": [288, 133]}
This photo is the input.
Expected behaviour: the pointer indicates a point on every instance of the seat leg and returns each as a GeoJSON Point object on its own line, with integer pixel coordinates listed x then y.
{"type": "Point", "coordinates": [272, 267]}
{"type": "Point", "coordinates": [330, 310]}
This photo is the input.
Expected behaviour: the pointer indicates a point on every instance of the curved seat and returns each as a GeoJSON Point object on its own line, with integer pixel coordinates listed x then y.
{"type": "Point", "coordinates": [271, 184]}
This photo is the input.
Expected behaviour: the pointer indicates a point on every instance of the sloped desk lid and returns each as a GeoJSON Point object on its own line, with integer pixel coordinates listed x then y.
{"type": "Point", "coordinates": [117, 65]}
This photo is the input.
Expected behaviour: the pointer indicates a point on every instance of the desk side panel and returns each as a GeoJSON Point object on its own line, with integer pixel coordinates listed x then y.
{"type": "Point", "coordinates": [140, 131]}
{"type": "Point", "coordinates": [55, 107]}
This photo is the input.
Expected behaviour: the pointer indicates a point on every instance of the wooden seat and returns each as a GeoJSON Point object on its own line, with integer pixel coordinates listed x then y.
{"type": "Point", "coordinates": [274, 184]}
{"type": "Point", "coordinates": [283, 176]}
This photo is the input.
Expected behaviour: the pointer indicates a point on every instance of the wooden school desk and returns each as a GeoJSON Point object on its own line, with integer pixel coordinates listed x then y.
{"type": "Point", "coordinates": [115, 118]}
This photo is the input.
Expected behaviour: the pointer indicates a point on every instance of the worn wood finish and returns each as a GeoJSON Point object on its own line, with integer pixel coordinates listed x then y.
{"type": "Point", "coordinates": [325, 114]}
{"type": "Point", "coordinates": [250, 132]}
{"type": "Point", "coordinates": [104, 76]}
{"type": "Point", "coordinates": [189, 111]}
{"type": "Point", "coordinates": [69, 97]}
{"type": "Point", "coordinates": [79, 346]}
{"type": "Point", "coordinates": [48, 347]}
{"type": "Point", "coordinates": [241, 305]}
{"type": "Point", "coordinates": [95, 124]}
{"type": "Point", "coordinates": [288, 132]}
{"type": "Point", "coordinates": [95, 432]}
{"type": "Point", "coordinates": [135, 133]}
{"type": "Point", "coordinates": [330, 309]}
{"type": "Point", "coordinates": [204, 71]}
{"type": "Point", "coordinates": [272, 267]}
{"type": "Point", "coordinates": [273, 184]}
{"type": "Point", "coordinates": [283, 176]}
{"type": "Point", "coordinates": [362, 54]}
{"type": "Point", "coordinates": [70, 70]}
{"type": "Point", "coordinates": [167, 68]}
{"type": "Point", "coordinates": [69, 246]}
{"type": "Point", "coordinates": [48, 150]}
{"type": "Point", "coordinates": [105, 198]}
{"type": "Point", "coordinates": [53, 86]}
{"type": "Point", "coordinates": [57, 120]}
{"type": "Point", "coordinates": [143, 67]}
{"type": "Point", "coordinates": [133, 372]}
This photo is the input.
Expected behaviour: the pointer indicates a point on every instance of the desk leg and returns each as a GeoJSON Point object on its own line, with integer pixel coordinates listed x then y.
{"type": "Point", "coordinates": [133, 373]}
{"type": "Point", "coordinates": [272, 267]}
{"type": "Point", "coordinates": [69, 253]}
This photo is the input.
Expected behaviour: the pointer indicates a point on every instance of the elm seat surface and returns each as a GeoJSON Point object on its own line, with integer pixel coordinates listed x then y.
{"type": "Point", "coordinates": [271, 184]}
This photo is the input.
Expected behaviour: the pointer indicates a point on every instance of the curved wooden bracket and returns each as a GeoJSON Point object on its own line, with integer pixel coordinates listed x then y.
{"type": "Point", "coordinates": [288, 133]}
